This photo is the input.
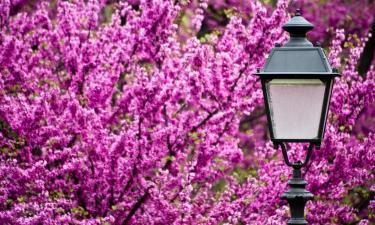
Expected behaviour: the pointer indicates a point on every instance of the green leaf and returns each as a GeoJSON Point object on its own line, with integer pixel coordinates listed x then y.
{"type": "Point", "coordinates": [194, 135]}
{"type": "Point", "coordinates": [169, 158]}
{"type": "Point", "coordinates": [21, 199]}
{"type": "Point", "coordinates": [219, 186]}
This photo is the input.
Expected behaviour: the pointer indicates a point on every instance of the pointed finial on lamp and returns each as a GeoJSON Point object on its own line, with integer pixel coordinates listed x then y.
{"type": "Point", "coordinates": [298, 12]}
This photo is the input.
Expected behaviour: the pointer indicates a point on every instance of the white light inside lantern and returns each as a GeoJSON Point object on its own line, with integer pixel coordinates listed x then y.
{"type": "Point", "coordinates": [296, 107]}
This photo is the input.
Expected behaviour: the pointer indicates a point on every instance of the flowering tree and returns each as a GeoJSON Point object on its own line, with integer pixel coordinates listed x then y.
{"type": "Point", "coordinates": [110, 114]}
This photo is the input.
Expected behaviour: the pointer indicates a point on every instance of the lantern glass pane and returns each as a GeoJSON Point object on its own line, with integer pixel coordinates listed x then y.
{"type": "Point", "coordinates": [295, 107]}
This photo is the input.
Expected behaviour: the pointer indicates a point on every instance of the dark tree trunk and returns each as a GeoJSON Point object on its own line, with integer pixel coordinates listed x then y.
{"type": "Point", "coordinates": [368, 53]}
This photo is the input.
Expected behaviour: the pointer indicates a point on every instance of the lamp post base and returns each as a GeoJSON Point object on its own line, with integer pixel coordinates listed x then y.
{"type": "Point", "coordinates": [297, 196]}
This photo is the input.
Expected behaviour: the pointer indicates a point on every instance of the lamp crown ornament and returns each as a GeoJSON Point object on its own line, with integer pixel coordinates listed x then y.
{"type": "Point", "coordinates": [297, 27]}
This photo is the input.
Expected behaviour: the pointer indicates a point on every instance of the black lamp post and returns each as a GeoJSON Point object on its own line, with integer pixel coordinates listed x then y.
{"type": "Point", "coordinates": [297, 83]}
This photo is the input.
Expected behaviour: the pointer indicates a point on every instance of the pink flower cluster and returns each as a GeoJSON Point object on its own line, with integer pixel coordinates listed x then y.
{"type": "Point", "coordinates": [108, 116]}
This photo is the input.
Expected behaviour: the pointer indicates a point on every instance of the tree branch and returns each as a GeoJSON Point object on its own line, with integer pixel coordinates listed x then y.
{"type": "Point", "coordinates": [135, 207]}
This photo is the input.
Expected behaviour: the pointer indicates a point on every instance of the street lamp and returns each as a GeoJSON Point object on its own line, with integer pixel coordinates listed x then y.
{"type": "Point", "coordinates": [297, 83]}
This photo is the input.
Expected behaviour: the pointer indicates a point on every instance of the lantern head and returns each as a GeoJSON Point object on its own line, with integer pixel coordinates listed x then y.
{"type": "Point", "coordinates": [297, 82]}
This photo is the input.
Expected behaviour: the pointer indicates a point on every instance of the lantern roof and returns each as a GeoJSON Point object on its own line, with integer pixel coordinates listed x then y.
{"type": "Point", "coordinates": [297, 60]}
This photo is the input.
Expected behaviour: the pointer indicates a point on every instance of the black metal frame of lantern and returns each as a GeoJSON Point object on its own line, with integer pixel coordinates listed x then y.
{"type": "Point", "coordinates": [298, 62]}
